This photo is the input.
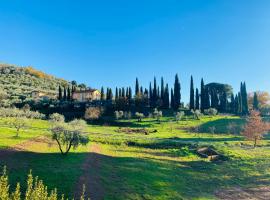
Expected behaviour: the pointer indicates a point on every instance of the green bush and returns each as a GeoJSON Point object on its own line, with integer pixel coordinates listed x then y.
{"type": "Point", "coordinates": [35, 190]}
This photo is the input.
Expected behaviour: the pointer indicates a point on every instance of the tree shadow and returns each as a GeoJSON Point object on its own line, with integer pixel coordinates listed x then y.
{"type": "Point", "coordinates": [132, 177]}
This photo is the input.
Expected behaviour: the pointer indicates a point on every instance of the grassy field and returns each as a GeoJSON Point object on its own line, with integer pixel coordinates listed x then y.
{"type": "Point", "coordinates": [161, 165]}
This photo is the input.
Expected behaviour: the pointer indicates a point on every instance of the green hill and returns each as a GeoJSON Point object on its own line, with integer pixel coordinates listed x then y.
{"type": "Point", "coordinates": [17, 83]}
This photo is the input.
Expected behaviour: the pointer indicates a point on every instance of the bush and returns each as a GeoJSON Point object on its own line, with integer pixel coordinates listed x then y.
{"type": "Point", "coordinates": [93, 113]}
{"type": "Point", "coordinates": [157, 114]}
{"type": "Point", "coordinates": [179, 116]}
{"type": "Point", "coordinates": [15, 112]}
{"type": "Point", "coordinates": [139, 116]}
{"type": "Point", "coordinates": [196, 114]}
{"type": "Point", "coordinates": [35, 190]}
{"type": "Point", "coordinates": [118, 114]}
{"type": "Point", "coordinates": [211, 112]}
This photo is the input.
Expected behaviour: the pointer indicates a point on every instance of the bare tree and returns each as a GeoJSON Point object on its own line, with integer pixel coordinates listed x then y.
{"type": "Point", "coordinates": [255, 127]}
{"type": "Point", "coordinates": [93, 113]}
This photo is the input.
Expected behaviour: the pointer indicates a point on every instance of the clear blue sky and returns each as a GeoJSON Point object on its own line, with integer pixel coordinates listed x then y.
{"type": "Point", "coordinates": [111, 43]}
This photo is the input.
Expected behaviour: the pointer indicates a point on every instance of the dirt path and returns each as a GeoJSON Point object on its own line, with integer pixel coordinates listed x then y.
{"type": "Point", "coordinates": [258, 193]}
{"type": "Point", "coordinates": [90, 177]}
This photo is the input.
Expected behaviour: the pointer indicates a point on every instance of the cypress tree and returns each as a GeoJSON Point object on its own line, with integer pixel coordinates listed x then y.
{"type": "Point", "coordinates": [162, 93]}
{"type": "Point", "coordinates": [177, 93]}
{"type": "Point", "coordinates": [197, 102]}
{"type": "Point", "coordinates": [232, 104]}
{"type": "Point", "coordinates": [137, 87]}
{"type": "Point", "coordinates": [102, 94]}
{"type": "Point", "coordinates": [236, 104]}
{"type": "Point", "coordinates": [141, 90]}
{"type": "Point", "coordinates": [123, 93]}
{"type": "Point", "coordinates": [207, 98]}
{"type": "Point", "coordinates": [60, 97]}
{"type": "Point", "coordinates": [127, 93]}
{"type": "Point", "coordinates": [65, 94]}
{"type": "Point", "coordinates": [68, 94]}
{"type": "Point", "coordinates": [110, 94]}
{"type": "Point", "coordinates": [116, 94]}
{"type": "Point", "coordinates": [202, 95]}
{"type": "Point", "coordinates": [150, 95]}
{"type": "Point", "coordinates": [255, 102]}
{"type": "Point", "coordinates": [223, 103]}
{"type": "Point", "coordinates": [130, 94]}
{"type": "Point", "coordinates": [172, 99]}
{"type": "Point", "coordinates": [155, 93]}
{"type": "Point", "coordinates": [166, 97]}
{"type": "Point", "coordinates": [191, 100]}
{"type": "Point", "coordinates": [240, 106]}
{"type": "Point", "coordinates": [244, 99]}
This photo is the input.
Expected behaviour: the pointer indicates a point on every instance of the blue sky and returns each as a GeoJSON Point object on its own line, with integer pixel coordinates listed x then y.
{"type": "Point", "coordinates": [110, 43]}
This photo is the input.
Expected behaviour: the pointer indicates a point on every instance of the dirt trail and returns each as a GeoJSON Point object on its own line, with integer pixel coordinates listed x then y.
{"type": "Point", "coordinates": [90, 177]}
{"type": "Point", "coordinates": [258, 193]}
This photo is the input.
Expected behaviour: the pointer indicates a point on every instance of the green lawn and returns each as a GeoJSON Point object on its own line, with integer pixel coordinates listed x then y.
{"type": "Point", "coordinates": [162, 165]}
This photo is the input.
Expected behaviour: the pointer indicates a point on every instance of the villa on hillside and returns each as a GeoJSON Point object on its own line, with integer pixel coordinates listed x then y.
{"type": "Point", "coordinates": [86, 95]}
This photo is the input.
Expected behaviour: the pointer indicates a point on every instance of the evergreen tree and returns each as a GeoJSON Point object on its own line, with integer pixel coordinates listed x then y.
{"type": "Point", "coordinates": [141, 90]}
{"type": "Point", "coordinates": [191, 100]}
{"type": "Point", "coordinates": [130, 94]}
{"type": "Point", "coordinates": [150, 95]}
{"type": "Point", "coordinates": [162, 93]}
{"type": "Point", "coordinates": [214, 99]}
{"type": "Point", "coordinates": [202, 96]}
{"type": "Point", "coordinates": [166, 97]}
{"type": "Point", "coordinates": [236, 105]}
{"type": "Point", "coordinates": [127, 93]}
{"type": "Point", "coordinates": [137, 87]}
{"type": "Point", "coordinates": [116, 94]}
{"type": "Point", "coordinates": [155, 93]}
{"type": "Point", "coordinates": [102, 94]}
{"type": "Point", "coordinates": [172, 99]}
{"type": "Point", "coordinates": [110, 96]}
{"type": "Point", "coordinates": [255, 102]}
{"type": "Point", "coordinates": [65, 94]}
{"type": "Point", "coordinates": [60, 97]}
{"type": "Point", "coordinates": [223, 103]}
{"type": "Point", "coordinates": [197, 102]}
{"type": "Point", "coordinates": [240, 107]}
{"type": "Point", "coordinates": [123, 93]}
{"type": "Point", "coordinates": [177, 93]}
{"type": "Point", "coordinates": [68, 94]}
{"type": "Point", "coordinates": [232, 104]}
{"type": "Point", "coordinates": [244, 99]}
{"type": "Point", "coordinates": [207, 98]}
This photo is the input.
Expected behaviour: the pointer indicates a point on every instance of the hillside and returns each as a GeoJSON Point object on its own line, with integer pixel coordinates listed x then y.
{"type": "Point", "coordinates": [17, 83]}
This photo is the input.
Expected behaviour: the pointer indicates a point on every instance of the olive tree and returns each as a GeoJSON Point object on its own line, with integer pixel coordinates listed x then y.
{"type": "Point", "coordinates": [179, 116]}
{"type": "Point", "coordinates": [69, 135]}
{"type": "Point", "coordinates": [139, 116]}
{"type": "Point", "coordinates": [18, 123]}
{"type": "Point", "coordinates": [157, 114]}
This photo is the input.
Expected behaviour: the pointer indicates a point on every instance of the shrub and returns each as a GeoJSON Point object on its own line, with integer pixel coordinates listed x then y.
{"type": "Point", "coordinates": [157, 114]}
{"type": "Point", "coordinates": [35, 190]}
{"type": "Point", "coordinates": [139, 116]}
{"type": "Point", "coordinates": [211, 112]}
{"type": "Point", "coordinates": [118, 114]}
{"type": "Point", "coordinates": [127, 115]}
{"type": "Point", "coordinates": [179, 116]}
{"type": "Point", "coordinates": [15, 112]}
{"type": "Point", "coordinates": [93, 113]}
{"type": "Point", "coordinates": [196, 114]}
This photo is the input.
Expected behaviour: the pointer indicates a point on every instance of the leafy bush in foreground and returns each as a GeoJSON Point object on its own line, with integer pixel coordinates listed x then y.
{"type": "Point", "coordinates": [35, 190]}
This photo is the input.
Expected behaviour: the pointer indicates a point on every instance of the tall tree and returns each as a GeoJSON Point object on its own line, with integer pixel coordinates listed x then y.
{"type": "Point", "coordinates": [151, 95]}
{"type": "Point", "coordinates": [155, 93]}
{"type": "Point", "coordinates": [202, 95]}
{"type": "Point", "coordinates": [137, 87]}
{"type": "Point", "coordinates": [172, 99]}
{"type": "Point", "coordinates": [60, 97]}
{"type": "Point", "coordinates": [236, 104]}
{"type": "Point", "coordinates": [197, 102]}
{"type": "Point", "coordinates": [68, 94]}
{"type": "Point", "coordinates": [255, 102]}
{"type": "Point", "coordinates": [162, 93]}
{"type": "Point", "coordinates": [116, 94]}
{"type": "Point", "coordinates": [244, 99]}
{"type": "Point", "coordinates": [177, 93]}
{"type": "Point", "coordinates": [65, 94]}
{"type": "Point", "coordinates": [166, 97]}
{"type": "Point", "coordinates": [102, 94]}
{"type": "Point", "coordinates": [191, 100]}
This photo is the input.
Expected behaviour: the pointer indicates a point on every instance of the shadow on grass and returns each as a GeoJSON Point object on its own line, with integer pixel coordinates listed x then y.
{"type": "Point", "coordinates": [132, 177]}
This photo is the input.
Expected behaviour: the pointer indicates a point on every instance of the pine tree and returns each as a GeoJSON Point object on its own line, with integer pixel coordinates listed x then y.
{"type": "Point", "coordinates": [255, 101]}
{"type": "Point", "coordinates": [137, 87]}
{"type": "Point", "coordinates": [60, 97]}
{"type": "Point", "coordinates": [177, 93]}
{"type": "Point", "coordinates": [202, 96]}
{"type": "Point", "coordinates": [223, 103]}
{"type": "Point", "coordinates": [197, 102]}
{"type": "Point", "coordinates": [191, 100]}
{"type": "Point", "coordinates": [102, 94]}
